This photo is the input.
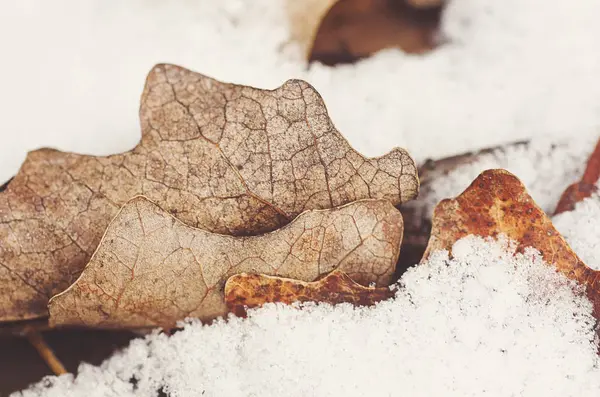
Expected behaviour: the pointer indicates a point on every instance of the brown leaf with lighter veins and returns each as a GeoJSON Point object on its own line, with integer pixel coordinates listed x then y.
{"type": "Point", "coordinates": [497, 203]}
{"type": "Point", "coordinates": [152, 270]}
{"type": "Point", "coordinates": [245, 291]}
{"type": "Point", "coordinates": [222, 157]}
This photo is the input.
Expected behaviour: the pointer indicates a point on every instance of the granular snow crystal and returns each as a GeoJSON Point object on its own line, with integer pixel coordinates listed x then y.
{"type": "Point", "coordinates": [485, 322]}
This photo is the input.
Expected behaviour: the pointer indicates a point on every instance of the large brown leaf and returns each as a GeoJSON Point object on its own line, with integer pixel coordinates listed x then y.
{"type": "Point", "coordinates": [497, 203]}
{"type": "Point", "coordinates": [222, 157]}
{"type": "Point", "coordinates": [585, 187]}
{"type": "Point", "coordinates": [244, 291]}
{"type": "Point", "coordinates": [152, 270]}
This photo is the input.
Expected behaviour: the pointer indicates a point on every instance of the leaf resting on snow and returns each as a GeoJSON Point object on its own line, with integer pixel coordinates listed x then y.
{"type": "Point", "coordinates": [244, 291]}
{"type": "Point", "coordinates": [152, 270]}
{"type": "Point", "coordinates": [497, 203]}
{"type": "Point", "coordinates": [225, 158]}
{"type": "Point", "coordinates": [585, 187]}
{"type": "Point", "coordinates": [417, 213]}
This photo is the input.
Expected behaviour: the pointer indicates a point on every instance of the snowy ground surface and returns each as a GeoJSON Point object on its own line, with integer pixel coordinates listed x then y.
{"type": "Point", "coordinates": [73, 72]}
{"type": "Point", "coordinates": [484, 322]}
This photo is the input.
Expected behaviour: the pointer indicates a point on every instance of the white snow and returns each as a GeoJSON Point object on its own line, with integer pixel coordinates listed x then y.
{"type": "Point", "coordinates": [581, 229]}
{"type": "Point", "coordinates": [545, 167]}
{"type": "Point", "coordinates": [485, 322]}
{"type": "Point", "coordinates": [72, 72]}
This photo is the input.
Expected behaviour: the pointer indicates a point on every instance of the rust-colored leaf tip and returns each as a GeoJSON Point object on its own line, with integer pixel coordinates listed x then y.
{"type": "Point", "coordinates": [498, 203]}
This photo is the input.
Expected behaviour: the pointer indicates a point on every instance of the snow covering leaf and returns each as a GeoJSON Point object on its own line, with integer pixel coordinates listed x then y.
{"type": "Point", "coordinates": [497, 203]}
{"type": "Point", "coordinates": [245, 290]}
{"type": "Point", "coordinates": [355, 29]}
{"type": "Point", "coordinates": [488, 320]}
{"type": "Point", "coordinates": [150, 269]}
{"type": "Point", "coordinates": [222, 157]}
{"type": "Point", "coordinates": [546, 167]}
{"type": "Point", "coordinates": [436, 177]}
{"type": "Point", "coordinates": [585, 187]}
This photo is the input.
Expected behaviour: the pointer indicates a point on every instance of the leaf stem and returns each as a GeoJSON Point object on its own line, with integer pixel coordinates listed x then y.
{"type": "Point", "coordinates": [37, 341]}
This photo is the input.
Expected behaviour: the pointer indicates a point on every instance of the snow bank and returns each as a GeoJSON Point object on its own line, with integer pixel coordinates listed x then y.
{"type": "Point", "coordinates": [73, 72]}
{"type": "Point", "coordinates": [485, 322]}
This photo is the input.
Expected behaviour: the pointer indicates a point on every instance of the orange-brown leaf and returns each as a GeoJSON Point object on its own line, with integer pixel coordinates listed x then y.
{"type": "Point", "coordinates": [417, 215]}
{"type": "Point", "coordinates": [585, 187]}
{"type": "Point", "coordinates": [244, 291]}
{"type": "Point", "coordinates": [497, 203]}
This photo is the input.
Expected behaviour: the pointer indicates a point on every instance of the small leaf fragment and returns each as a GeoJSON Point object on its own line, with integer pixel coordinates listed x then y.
{"type": "Point", "coordinates": [355, 29]}
{"type": "Point", "coordinates": [245, 291]}
{"type": "Point", "coordinates": [497, 203]}
{"type": "Point", "coordinates": [425, 3]}
{"type": "Point", "coordinates": [222, 157]}
{"type": "Point", "coordinates": [152, 270]}
{"type": "Point", "coordinates": [585, 187]}
{"type": "Point", "coordinates": [304, 19]}
{"type": "Point", "coordinates": [4, 185]}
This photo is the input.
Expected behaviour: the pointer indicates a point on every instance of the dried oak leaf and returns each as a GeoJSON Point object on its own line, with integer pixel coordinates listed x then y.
{"type": "Point", "coordinates": [497, 203]}
{"type": "Point", "coordinates": [150, 269]}
{"type": "Point", "coordinates": [585, 187]}
{"type": "Point", "coordinates": [244, 291]}
{"type": "Point", "coordinates": [222, 157]}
